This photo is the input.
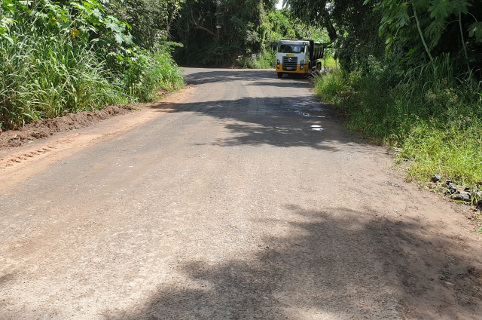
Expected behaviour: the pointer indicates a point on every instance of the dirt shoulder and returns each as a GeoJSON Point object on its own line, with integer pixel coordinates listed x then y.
{"type": "Point", "coordinates": [47, 141]}
{"type": "Point", "coordinates": [45, 128]}
{"type": "Point", "coordinates": [42, 129]}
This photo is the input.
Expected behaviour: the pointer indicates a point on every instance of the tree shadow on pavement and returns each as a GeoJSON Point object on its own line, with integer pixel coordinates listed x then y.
{"type": "Point", "coordinates": [300, 83]}
{"type": "Point", "coordinates": [282, 122]}
{"type": "Point", "coordinates": [293, 117]}
{"type": "Point", "coordinates": [330, 267]}
{"type": "Point", "coordinates": [204, 76]}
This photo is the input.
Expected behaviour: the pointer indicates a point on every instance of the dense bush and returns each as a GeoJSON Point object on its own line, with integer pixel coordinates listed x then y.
{"type": "Point", "coordinates": [58, 58]}
{"type": "Point", "coordinates": [49, 76]}
{"type": "Point", "coordinates": [219, 34]}
{"type": "Point", "coordinates": [432, 117]}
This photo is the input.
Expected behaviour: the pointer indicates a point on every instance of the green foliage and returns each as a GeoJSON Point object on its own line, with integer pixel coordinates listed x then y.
{"type": "Point", "coordinates": [328, 61]}
{"type": "Point", "coordinates": [434, 117]}
{"type": "Point", "coordinates": [217, 32]}
{"type": "Point", "coordinates": [265, 60]}
{"type": "Point", "coordinates": [47, 71]}
{"type": "Point", "coordinates": [58, 58]}
{"type": "Point", "coordinates": [421, 30]}
{"type": "Point", "coordinates": [146, 73]}
{"type": "Point", "coordinates": [253, 30]}
{"type": "Point", "coordinates": [283, 25]}
{"type": "Point", "coordinates": [352, 27]}
{"type": "Point", "coordinates": [452, 149]}
{"type": "Point", "coordinates": [150, 20]}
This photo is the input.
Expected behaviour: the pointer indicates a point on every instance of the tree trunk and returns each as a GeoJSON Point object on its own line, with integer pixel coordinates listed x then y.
{"type": "Point", "coordinates": [329, 25]}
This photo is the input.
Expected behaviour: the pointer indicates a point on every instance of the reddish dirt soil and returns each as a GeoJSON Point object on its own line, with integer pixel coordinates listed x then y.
{"type": "Point", "coordinates": [45, 128]}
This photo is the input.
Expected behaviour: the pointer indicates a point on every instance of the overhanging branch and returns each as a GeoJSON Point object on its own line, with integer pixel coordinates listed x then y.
{"type": "Point", "coordinates": [200, 27]}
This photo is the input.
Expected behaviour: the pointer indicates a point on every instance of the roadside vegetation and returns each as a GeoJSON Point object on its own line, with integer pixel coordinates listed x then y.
{"type": "Point", "coordinates": [59, 57]}
{"type": "Point", "coordinates": [432, 120]}
{"type": "Point", "coordinates": [219, 34]}
{"type": "Point", "coordinates": [410, 78]}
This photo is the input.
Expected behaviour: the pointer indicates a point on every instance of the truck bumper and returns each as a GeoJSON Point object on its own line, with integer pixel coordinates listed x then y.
{"type": "Point", "coordinates": [301, 69]}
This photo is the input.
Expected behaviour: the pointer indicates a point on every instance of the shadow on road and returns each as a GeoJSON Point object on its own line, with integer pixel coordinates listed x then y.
{"type": "Point", "coordinates": [204, 76]}
{"type": "Point", "coordinates": [282, 122]}
{"type": "Point", "coordinates": [318, 270]}
{"type": "Point", "coordinates": [300, 83]}
{"type": "Point", "coordinates": [337, 263]}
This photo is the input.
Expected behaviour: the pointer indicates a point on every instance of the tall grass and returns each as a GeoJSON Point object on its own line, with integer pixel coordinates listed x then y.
{"type": "Point", "coordinates": [148, 73]}
{"type": "Point", "coordinates": [49, 70]}
{"type": "Point", "coordinates": [453, 150]}
{"type": "Point", "coordinates": [432, 116]}
{"type": "Point", "coordinates": [329, 62]}
{"type": "Point", "coordinates": [169, 74]}
{"type": "Point", "coordinates": [49, 76]}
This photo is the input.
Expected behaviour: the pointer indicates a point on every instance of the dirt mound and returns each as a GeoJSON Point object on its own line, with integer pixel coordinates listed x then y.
{"type": "Point", "coordinates": [44, 128]}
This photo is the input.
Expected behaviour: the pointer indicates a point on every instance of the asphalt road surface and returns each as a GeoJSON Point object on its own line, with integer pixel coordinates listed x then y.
{"type": "Point", "coordinates": [241, 197]}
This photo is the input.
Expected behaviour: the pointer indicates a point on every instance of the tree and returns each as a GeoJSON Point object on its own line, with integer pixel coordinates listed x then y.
{"type": "Point", "coordinates": [150, 20]}
{"type": "Point", "coordinates": [412, 32]}
{"type": "Point", "coordinates": [314, 12]}
{"type": "Point", "coordinates": [352, 26]}
{"type": "Point", "coordinates": [423, 30]}
{"type": "Point", "coordinates": [217, 32]}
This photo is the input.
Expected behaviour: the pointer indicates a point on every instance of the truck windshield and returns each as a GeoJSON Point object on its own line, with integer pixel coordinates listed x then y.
{"type": "Point", "coordinates": [290, 48]}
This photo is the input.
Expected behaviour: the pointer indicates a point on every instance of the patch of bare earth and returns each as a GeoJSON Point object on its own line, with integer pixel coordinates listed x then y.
{"type": "Point", "coordinates": [48, 127]}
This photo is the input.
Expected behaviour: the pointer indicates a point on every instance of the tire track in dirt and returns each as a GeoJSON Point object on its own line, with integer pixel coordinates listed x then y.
{"type": "Point", "coordinates": [20, 158]}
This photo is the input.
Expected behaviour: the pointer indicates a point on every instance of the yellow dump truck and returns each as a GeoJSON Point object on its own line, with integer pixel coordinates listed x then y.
{"type": "Point", "coordinates": [298, 56]}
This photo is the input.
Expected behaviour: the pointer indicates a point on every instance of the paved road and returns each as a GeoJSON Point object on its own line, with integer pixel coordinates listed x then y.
{"type": "Point", "coordinates": [242, 199]}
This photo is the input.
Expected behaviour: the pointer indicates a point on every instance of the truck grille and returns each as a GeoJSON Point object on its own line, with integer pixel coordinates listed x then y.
{"type": "Point", "coordinates": [289, 63]}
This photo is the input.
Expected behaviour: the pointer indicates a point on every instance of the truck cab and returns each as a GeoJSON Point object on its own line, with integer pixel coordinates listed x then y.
{"type": "Point", "coordinates": [297, 56]}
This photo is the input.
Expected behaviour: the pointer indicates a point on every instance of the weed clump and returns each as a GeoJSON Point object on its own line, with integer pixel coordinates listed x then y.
{"type": "Point", "coordinates": [433, 118]}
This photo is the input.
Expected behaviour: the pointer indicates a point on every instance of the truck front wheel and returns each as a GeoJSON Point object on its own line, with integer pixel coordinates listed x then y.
{"type": "Point", "coordinates": [280, 74]}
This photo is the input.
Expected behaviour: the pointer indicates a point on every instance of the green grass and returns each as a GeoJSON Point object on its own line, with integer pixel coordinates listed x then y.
{"type": "Point", "coordinates": [264, 60]}
{"type": "Point", "coordinates": [453, 150]}
{"type": "Point", "coordinates": [329, 63]}
{"type": "Point", "coordinates": [49, 76]}
{"type": "Point", "coordinates": [149, 73]}
{"type": "Point", "coordinates": [57, 58]}
{"type": "Point", "coordinates": [433, 118]}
